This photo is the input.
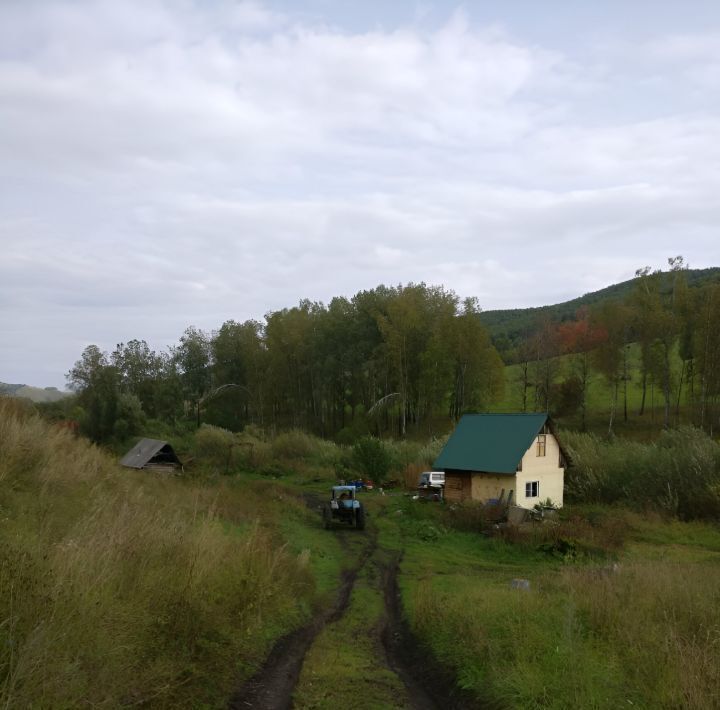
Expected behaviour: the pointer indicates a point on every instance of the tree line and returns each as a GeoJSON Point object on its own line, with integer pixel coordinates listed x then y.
{"type": "Point", "coordinates": [386, 361]}
{"type": "Point", "coordinates": [675, 327]}
{"type": "Point", "coordinates": [412, 359]}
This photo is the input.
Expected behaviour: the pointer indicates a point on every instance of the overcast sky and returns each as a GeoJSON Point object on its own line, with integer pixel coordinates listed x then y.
{"type": "Point", "coordinates": [165, 164]}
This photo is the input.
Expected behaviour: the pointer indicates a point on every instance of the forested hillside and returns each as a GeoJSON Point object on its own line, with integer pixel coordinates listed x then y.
{"type": "Point", "coordinates": [509, 327]}
{"type": "Point", "coordinates": [660, 341]}
{"type": "Point", "coordinates": [409, 360]}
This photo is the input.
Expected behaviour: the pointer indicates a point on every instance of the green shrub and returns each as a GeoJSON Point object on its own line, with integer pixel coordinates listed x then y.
{"type": "Point", "coordinates": [679, 474]}
{"type": "Point", "coordinates": [214, 446]}
{"type": "Point", "coordinates": [431, 450]}
{"type": "Point", "coordinates": [294, 444]}
{"type": "Point", "coordinates": [252, 452]}
{"type": "Point", "coordinates": [130, 416]}
{"type": "Point", "coordinates": [372, 458]}
{"type": "Point", "coordinates": [427, 531]}
{"type": "Point", "coordinates": [469, 516]}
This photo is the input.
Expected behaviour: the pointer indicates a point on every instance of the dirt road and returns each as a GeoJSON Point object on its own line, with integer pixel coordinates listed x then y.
{"type": "Point", "coordinates": [273, 686]}
{"type": "Point", "coordinates": [382, 647]}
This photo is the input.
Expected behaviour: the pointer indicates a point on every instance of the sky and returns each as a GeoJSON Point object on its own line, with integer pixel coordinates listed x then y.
{"type": "Point", "coordinates": [166, 164]}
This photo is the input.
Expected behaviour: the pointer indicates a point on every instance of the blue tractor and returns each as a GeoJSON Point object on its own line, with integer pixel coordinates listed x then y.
{"type": "Point", "coordinates": [344, 507]}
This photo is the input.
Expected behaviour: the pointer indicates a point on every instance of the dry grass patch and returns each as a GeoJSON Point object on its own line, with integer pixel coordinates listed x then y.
{"type": "Point", "coordinates": [117, 587]}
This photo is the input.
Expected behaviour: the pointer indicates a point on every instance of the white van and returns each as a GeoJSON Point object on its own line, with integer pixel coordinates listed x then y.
{"type": "Point", "coordinates": [432, 479]}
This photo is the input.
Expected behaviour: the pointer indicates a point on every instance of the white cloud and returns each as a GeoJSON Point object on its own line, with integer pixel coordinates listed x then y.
{"type": "Point", "coordinates": [163, 164]}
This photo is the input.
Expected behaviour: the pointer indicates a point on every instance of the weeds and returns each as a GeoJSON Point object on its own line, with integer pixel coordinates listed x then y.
{"type": "Point", "coordinates": [642, 634]}
{"type": "Point", "coordinates": [678, 474]}
{"type": "Point", "coordinates": [119, 588]}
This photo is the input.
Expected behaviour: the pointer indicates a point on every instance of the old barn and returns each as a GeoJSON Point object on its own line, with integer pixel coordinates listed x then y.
{"type": "Point", "coordinates": [152, 454]}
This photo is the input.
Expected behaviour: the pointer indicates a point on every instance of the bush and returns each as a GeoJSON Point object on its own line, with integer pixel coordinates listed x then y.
{"type": "Point", "coordinates": [372, 458]}
{"type": "Point", "coordinates": [294, 444]}
{"type": "Point", "coordinates": [130, 416]}
{"type": "Point", "coordinates": [430, 451]}
{"type": "Point", "coordinates": [470, 516]}
{"type": "Point", "coordinates": [251, 450]}
{"type": "Point", "coordinates": [679, 474]}
{"type": "Point", "coordinates": [411, 475]}
{"type": "Point", "coordinates": [214, 446]}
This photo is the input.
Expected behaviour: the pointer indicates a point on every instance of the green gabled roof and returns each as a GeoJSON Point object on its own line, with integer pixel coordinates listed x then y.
{"type": "Point", "coordinates": [494, 443]}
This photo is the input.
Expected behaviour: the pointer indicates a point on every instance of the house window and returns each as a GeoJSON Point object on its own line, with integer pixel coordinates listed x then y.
{"type": "Point", "coordinates": [541, 444]}
{"type": "Point", "coordinates": [532, 489]}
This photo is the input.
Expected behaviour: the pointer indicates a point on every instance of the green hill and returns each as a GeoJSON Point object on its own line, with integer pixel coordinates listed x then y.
{"type": "Point", "coordinates": [515, 323]}
{"type": "Point", "coordinates": [34, 394]}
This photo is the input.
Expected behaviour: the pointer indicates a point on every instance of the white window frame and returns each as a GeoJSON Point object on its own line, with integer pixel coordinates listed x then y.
{"type": "Point", "coordinates": [529, 489]}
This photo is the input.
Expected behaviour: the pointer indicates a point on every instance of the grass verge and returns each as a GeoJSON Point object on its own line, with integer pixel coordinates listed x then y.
{"type": "Point", "coordinates": [643, 631]}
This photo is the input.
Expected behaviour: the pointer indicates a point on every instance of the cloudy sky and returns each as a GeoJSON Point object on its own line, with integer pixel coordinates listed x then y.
{"type": "Point", "coordinates": [185, 162]}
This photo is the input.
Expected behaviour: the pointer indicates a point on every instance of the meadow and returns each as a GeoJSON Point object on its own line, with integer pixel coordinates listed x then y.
{"type": "Point", "coordinates": [119, 587]}
{"type": "Point", "coordinates": [625, 612]}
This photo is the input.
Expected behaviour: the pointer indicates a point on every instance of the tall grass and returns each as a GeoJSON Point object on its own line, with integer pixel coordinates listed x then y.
{"type": "Point", "coordinates": [678, 474]}
{"type": "Point", "coordinates": [119, 588]}
{"type": "Point", "coordinates": [647, 635]}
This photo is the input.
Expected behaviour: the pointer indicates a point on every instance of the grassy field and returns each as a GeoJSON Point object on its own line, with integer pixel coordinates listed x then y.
{"type": "Point", "coordinates": [631, 622]}
{"type": "Point", "coordinates": [119, 588]}
{"type": "Point", "coordinates": [123, 588]}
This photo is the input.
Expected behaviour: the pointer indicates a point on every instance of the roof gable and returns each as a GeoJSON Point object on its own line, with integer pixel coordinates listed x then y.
{"type": "Point", "coordinates": [494, 443]}
{"type": "Point", "coordinates": [147, 449]}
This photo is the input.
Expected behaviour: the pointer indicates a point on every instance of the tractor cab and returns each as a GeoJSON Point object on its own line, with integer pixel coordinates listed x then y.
{"type": "Point", "coordinates": [344, 506]}
{"type": "Point", "coordinates": [343, 497]}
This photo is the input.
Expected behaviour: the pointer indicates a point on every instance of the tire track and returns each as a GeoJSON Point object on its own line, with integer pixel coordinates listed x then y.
{"type": "Point", "coordinates": [271, 688]}
{"type": "Point", "coordinates": [429, 685]}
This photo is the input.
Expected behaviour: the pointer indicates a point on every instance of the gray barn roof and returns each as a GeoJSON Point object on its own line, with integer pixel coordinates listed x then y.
{"type": "Point", "coordinates": [149, 451]}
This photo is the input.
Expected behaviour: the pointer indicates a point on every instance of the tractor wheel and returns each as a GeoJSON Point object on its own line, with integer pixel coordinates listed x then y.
{"type": "Point", "coordinates": [360, 518]}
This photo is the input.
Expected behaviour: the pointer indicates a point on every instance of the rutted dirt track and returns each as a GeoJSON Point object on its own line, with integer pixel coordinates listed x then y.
{"type": "Point", "coordinates": [272, 687]}
{"type": "Point", "coordinates": [426, 688]}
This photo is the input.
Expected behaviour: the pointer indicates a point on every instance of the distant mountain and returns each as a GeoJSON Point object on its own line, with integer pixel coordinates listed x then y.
{"type": "Point", "coordinates": [507, 327]}
{"type": "Point", "coordinates": [35, 394]}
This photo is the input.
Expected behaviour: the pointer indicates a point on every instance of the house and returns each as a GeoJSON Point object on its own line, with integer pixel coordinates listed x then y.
{"type": "Point", "coordinates": [511, 457]}
{"type": "Point", "coordinates": [152, 454]}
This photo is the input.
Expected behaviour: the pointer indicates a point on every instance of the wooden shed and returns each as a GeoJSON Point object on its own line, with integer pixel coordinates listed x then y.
{"type": "Point", "coordinates": [152, 454]}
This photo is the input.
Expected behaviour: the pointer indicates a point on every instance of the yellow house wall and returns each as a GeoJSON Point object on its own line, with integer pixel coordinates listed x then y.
{"type": "Point", "coordinates": [487, 485]}
{"type": "Point", "coordinates": [544, 469]}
